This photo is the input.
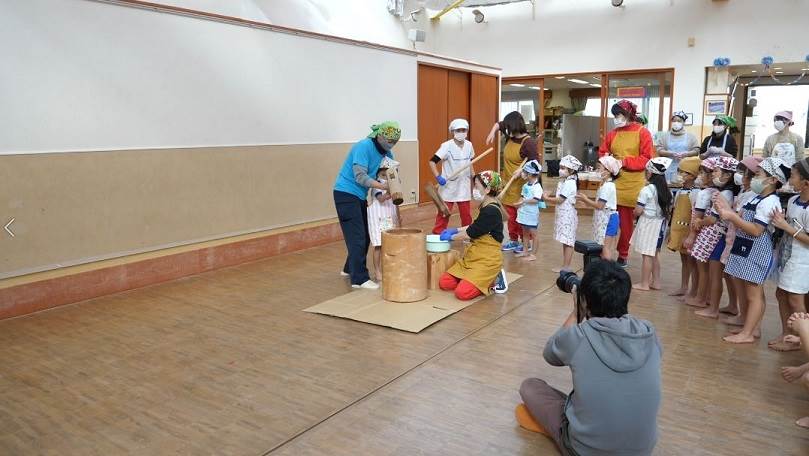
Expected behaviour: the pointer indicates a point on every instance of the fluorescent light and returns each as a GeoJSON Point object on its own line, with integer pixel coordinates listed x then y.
{"type": "Point", "coordinates": [777, 68]}
{"type": "Point", "coordinates": [754, 71]}
{"type": "Point", "coordinates": [804, 69]}
{"type": "Point", "coordinates": [779, 72]}
{"type": "Point", "coordinates": [578, 81]}
{"type": "Point", "coordinates": [517, 85]}
{"type": "Point", "coordinates": [533, 87]}
{"type": "Point", "coordinates": [545, 88]}
{"type": "Point", "coordinates": [596, 85]}
{"type": "Point", "coordinates": [560, 77]}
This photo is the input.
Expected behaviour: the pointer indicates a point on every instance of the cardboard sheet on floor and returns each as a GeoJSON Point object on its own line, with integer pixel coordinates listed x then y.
{"type": "Point", "coordinates": [368, 306]}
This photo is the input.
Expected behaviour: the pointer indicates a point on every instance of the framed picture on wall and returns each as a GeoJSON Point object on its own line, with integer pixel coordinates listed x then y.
{"type": "Point", "coordinates": [716, 105]}
{"type": "Point", "coordinates": [690, 120]}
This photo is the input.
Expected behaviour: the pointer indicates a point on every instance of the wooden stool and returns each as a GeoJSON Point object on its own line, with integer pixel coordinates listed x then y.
{"type": "Point", "coordinates": [437, 264]}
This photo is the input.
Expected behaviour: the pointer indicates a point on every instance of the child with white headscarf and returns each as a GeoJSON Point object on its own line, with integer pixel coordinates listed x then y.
{"type": "Point", "coordinates": [567, 218]}
{"type": "Point", "coordinates": [652, 209]}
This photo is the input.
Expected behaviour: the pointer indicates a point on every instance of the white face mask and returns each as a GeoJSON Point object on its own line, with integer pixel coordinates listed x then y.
{"type": "Point", "coordinates": [477, 195]}
{"type": "Point", "coordinates": [779, 125]}
{"type": "Point", "coordinates": [620, 121]}
{"type": "Point", "coordinates": [563, 173]}
{"type": "Point", "coordinates": [717, 181]}
{"type": "Point", "coordinates": [460, 135]}
{"type": "Point", "coordinates": [718, 129]}
{"type": "Point", "coordinates": [737, 179]}
{"type": "Point", "coordinates": [676, 126]}
{"type": "Point", "coordinates": [698, 182]}
{"type": "Point", "coordinates": [677, 180]}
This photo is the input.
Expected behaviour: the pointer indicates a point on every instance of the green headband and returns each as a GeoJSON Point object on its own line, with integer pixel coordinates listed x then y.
{"type": "Point", "coordinates": [389, 130]}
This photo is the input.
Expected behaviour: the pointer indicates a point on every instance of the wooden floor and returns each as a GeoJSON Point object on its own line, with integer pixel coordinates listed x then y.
{"type": "Point", "coordinates": [226, 363]}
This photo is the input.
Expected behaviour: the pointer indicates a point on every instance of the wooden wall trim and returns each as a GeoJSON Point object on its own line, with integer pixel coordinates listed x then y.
{"type": "Point", "coordinates": [45, 294]}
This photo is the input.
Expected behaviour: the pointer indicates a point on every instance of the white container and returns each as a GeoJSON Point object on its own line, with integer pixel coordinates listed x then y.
{"type": "Point", "coordinates": [436, 245]}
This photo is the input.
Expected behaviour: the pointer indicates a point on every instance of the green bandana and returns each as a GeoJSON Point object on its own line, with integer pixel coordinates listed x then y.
{"type": "Point", "coordinates": [389, 130]}
{"type": "Point", "coordinates": [729, 121]}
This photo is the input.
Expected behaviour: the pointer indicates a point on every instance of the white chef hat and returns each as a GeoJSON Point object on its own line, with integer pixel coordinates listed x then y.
{"type": "Point", "coordinates": [458, 124]}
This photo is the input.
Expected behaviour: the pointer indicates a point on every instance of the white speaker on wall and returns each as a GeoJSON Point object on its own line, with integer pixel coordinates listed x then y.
{"type": "Point", "coordinates": [416, 35]}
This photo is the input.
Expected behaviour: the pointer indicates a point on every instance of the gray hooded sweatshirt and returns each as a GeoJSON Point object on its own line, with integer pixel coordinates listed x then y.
{"type": "Point", "coordinates": [616, 385]}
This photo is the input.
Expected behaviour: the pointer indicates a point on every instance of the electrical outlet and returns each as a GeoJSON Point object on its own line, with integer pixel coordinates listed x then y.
{"type": "Point", "coordinates": [412, 196]}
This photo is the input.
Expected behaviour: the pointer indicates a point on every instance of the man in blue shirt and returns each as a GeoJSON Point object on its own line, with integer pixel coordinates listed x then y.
{"type": "Point", "coordinates": [356, 176]}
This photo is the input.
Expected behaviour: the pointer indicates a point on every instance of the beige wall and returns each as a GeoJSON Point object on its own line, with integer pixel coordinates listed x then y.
{"type": "Point", "coordinates": [72, 208]}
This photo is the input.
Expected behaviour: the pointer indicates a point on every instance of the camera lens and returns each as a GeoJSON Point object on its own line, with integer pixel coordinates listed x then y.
{"type": "Point", "coordinates": [567, 280]}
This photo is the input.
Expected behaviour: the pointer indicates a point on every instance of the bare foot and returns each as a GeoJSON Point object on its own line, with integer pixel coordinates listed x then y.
{"type": "Point", "coordinates": [640, 287]}
{"type": "Point", "coordinates": [739, 339]}
{"type": "Point", "coordinates": [784, 346]}
{"type": "Point", "coordinates": [707, 313]}
{"type": "Point", "coordinates": [557, 270]}
{"type": "Point", "coordinates": [655, 286]}
{"type": "Point", "coordinates": [792, 339]}
{"type": "Point", "coordinates": [530, 258]}
{"type": "Point", "coordinates": [737, 330]}
{"type": "Point", "coordinates": [680, 292]}
{"type": "Point", "coordinates": [803, 422]}
{"type": "Point", "coordinates": [696, 302]}
{"type": "Point", "coordinates": [521, 254]}
{"type": "Point", "coordinates": [729, 310]}
{"type": "Point", "coordinates": [792, 373]}
{"type": "Point", "coordinates": [733, 321]}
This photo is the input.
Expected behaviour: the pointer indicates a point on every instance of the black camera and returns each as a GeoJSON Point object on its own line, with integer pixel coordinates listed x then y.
{"type": "Point", "coordinates": [568, 279]}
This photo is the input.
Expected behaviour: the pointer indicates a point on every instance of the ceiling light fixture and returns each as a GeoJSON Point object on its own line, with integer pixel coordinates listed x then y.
{"type": "Point", "coordinates": [754, 71]}
{"type": "Point", "coordinates": [578, 81]}
{"type": "Point", "coordinates": [617, 3]}
{"type": "Point", "coordinates": [560, 77]}
{"type": "Point", "coordinates": [779, 72]}
{"type": "Point", "coordinates": [479, 17]}
{"type": "Point", "coordinates": [517, 85]}
{"type": "Point", "coordinates": [596, 85]}
{"type": "Point", "coordinates": [777, 68]}
{"type": "Point", "coordinates": [533, 87]}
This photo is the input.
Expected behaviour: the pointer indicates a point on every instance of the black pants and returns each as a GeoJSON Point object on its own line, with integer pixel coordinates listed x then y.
{"type": "Point", "coordinates": [353, 215]}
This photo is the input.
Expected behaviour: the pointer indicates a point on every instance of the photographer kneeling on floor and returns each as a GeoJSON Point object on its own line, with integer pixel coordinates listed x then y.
{"type": "Point", "coordinates": [615, 361]}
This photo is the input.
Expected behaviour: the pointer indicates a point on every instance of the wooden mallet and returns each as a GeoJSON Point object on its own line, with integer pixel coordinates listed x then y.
{"type": "Point", "coordinates": [432, 190]}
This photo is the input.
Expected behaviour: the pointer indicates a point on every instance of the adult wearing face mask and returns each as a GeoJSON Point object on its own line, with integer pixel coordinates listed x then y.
{"type": "Point", "coordinates": [720, 142]}
{"type": "Point", "coordinates": [632, 145]}
{"type": "Point", "coordinates": [676, 144]}
{"type": "Point", "coordinates": [350, 193]}
{"type": "Point", "coordinates": [784, 144]}
{"type": "Point", "coordinates": [454, 155]}
{"type": "Point", "coordinates": [519, 146]}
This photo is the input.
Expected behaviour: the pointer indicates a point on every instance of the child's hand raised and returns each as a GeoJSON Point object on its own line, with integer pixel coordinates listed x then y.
{"type": "Point", "coordinates": [583, 196]}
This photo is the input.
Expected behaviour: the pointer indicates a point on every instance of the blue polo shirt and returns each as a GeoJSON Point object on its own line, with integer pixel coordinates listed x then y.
{"type": "Point", "coordinates": [366, 154]}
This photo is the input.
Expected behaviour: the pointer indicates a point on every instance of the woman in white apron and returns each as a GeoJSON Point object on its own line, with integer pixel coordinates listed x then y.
{"type": "Point", "coordinates": [784, 144]}
{"type": "Point", "coordinates": [676, 144]}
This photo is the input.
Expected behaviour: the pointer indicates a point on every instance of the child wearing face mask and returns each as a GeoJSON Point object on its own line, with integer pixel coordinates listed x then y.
{"type": "Point", "coordinates": [454, 154]}
{"type": "Point", "coordinates": [681, 222]}
{"type": "Point", "coordinates": [652, 210]}
{"type": "Point", "coordinates": [676, 144]}
{"type": "Point", "coordinates": [528, 207]}
{"type": "Point", "coordinates": [605, 207]}
{"type": "Point", "coordinates": [751, 257]}
{"type": "Point", "coordinates": [720, 142]}
{"type": "Point", "coordinates": [710, 243]}
{"type": "Point", "coordinates": [745, 172]}
{"type": "Point", "coordinates": [701, 205]}
{"type": "Point", "coordinates": [793, 281]}
{"type": "Point", "coordinates": [567, 218]}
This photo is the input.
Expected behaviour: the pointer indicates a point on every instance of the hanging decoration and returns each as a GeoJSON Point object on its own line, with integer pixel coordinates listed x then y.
{"type": "Point", "coordinates": [721, 62]}
{"type": "Point", "coordinates": [767, 61]}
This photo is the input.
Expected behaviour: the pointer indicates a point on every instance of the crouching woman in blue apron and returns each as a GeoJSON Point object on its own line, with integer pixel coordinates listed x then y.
{"type": "Point", "coordinates": [356, 176]}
